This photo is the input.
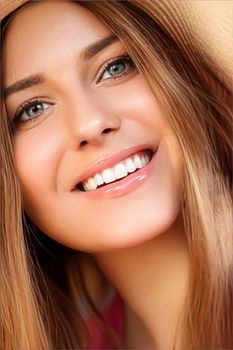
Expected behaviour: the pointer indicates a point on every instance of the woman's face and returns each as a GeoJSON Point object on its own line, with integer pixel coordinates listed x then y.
{"type": "Point", "coordinates": [76, 123]}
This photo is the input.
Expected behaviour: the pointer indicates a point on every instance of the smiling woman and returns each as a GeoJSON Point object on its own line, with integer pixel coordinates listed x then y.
{"type": "Point", "coordinates": [117, 169]}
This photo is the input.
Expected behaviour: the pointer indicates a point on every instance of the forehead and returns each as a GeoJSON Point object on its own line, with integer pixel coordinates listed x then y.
{"type": "Point", "coordinates": [44, 31]}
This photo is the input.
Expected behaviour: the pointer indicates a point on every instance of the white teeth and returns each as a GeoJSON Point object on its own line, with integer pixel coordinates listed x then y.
{"type": "Point", "coordinates": [137, 161]}
{"type": "Point", "coordinates": [147, 158]}
{"type": "Point", "coordinates": [85, 187]}
{"type": "Point", "coordinates": [119, 171]}
{"type": "Point", "coordinates": [108, 175]}
{"type": "Point", "coordinates": [98, 179]}
{"type": "Point", "coordinates": [143, 160]}
{"type": "Point", "coordinates": [91, 185]}
{"type": "Point", "coordinates": [129, 164]}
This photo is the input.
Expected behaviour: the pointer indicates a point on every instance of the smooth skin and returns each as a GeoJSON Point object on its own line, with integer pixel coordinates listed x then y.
{"type": "Point", "coordinates": [78, 119]}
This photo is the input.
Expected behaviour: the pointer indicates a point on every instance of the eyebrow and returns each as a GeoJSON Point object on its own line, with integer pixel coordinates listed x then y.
{"type": "Point", "coordinates": [98, 46]}
{"type": "Point", "coordinates": [86, 54]}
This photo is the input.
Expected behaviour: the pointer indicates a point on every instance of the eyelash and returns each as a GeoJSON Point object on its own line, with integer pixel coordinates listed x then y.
{"type": "Point", "coordinates": [30, 103]}
{"type": "Point", "coordinates": [116, 60]}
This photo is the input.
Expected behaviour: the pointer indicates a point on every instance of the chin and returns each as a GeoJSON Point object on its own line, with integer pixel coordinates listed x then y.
{"type": "Point", "coordinates": [139, 230]}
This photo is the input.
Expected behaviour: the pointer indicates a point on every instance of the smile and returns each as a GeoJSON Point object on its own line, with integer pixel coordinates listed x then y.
{"type": "Point", "coordinates": [119, 171]}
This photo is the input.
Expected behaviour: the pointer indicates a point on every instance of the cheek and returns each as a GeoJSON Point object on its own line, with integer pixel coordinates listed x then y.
{"type": "Point", "coordinates": [37, 157]}
{"type": "Point", "coordinates": [134, 100]}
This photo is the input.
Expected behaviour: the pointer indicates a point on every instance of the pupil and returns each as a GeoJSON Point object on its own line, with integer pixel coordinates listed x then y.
{"type": "Point", "coordinates": [34, 109]}
{"type": "Point", "coordinates": [115, 68]}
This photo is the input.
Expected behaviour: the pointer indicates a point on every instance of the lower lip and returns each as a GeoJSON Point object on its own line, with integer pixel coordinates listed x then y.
{"type": "Point", "coordinates": [124, 186]}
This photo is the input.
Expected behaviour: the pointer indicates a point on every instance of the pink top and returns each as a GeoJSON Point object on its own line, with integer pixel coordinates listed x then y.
{"type": "Point", "coordinates": [113, 312]}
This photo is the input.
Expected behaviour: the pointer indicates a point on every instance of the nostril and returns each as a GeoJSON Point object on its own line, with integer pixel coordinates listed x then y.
{"type": "Point", "coordinates": [95, 138]}
{"type": "Point", "coordinates": [106, 131]}
{"type": "Point", "coordinates": [83, 143]}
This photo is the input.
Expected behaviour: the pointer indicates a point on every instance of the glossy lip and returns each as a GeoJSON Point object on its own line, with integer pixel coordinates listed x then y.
{"type": "Point", "coordinates": [125, 185]}
{"type": "Point", "coordinates": [110, 161]}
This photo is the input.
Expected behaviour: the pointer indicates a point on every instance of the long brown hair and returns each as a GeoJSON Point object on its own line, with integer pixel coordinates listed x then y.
{"type": "Point", "coordinates": [199, 107]}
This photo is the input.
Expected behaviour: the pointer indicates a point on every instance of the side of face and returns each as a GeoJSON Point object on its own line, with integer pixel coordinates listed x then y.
{"type": "Point", "coordinates": [74, 119]}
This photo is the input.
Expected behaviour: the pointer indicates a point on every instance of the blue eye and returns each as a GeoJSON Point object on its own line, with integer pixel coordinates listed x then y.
{"type": "Point", "coordinates": [31, 110]}
{"type": "Point", "coordinates": [117, 68]}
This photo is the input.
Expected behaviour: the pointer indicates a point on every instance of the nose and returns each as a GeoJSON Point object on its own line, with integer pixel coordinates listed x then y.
{"type": "Point", "coordinates": [94, 129]}
{"type": "Point", "coordinates": [91, 122]}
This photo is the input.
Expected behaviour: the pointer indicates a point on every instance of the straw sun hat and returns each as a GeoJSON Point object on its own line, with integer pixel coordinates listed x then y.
{"type": "Point", "coordinates": [208, 23]}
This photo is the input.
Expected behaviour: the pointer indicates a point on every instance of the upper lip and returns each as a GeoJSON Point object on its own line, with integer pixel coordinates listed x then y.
{"type": "Point", "coordinates": [110, 160]}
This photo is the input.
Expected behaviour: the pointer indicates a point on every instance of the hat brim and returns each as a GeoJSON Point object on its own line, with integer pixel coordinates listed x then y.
{"type": "Point", "coordinates": [8, 6]}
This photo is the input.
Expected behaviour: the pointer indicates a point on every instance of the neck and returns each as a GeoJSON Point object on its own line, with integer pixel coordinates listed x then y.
{"type": "Point", "coordinates": [152, 279]}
